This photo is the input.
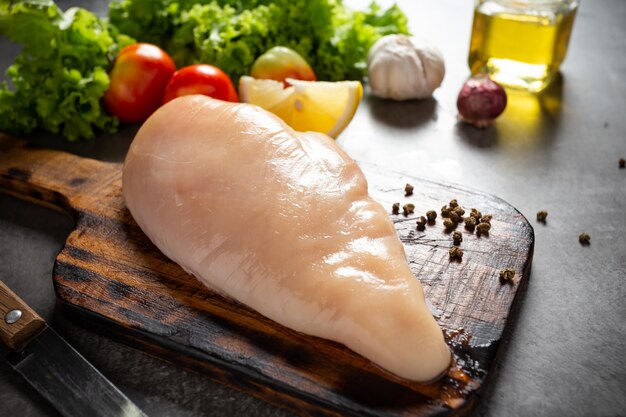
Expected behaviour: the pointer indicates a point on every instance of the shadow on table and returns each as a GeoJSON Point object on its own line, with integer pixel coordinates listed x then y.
{"type": "Point", "coordinates": [528, 120]}
{"type": "Point", "coordinates": [402, 114]}
{"type": "Point", "coordinates": [105, 146]}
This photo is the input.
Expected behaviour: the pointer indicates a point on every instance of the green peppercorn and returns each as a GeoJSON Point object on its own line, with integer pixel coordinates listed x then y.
{"type": "Point", "coordinates": [421, 223]}
{"type": "Point", "coordinates": [584, 239]}
{"type": "Point", "coordinates": [449, 224]}
{"type": "Point", "coordinates": [507, 275]}
{"type": "Point", "coordinates": [483, 228]}
{"type": "Point", "coordinates": [457, 238]}
{"type": "Point", "coordinates": [456, 252]}
{"type": "Point", "coordinates": [470, 223]}
{"type": "Point", "coordinates": [541, 216]}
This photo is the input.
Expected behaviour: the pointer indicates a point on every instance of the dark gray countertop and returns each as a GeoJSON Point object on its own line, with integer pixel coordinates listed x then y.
{"type": "Point", "coordinates": [558, 152]}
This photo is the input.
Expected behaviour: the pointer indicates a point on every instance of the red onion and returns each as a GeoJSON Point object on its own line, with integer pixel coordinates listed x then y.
{"type": "Point", "coordinates": [481, 100]}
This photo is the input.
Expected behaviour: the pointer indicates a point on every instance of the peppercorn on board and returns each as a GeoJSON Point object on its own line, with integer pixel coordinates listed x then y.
{"type": "Point", "coordinates": [111, 278]}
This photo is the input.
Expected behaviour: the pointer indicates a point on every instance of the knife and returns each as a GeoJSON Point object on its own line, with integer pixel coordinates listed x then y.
{"type": "Point", "coordinates": [54, 368]}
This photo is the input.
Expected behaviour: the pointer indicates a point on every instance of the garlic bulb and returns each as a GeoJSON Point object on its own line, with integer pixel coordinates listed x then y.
{"type": "Point", "coordinates": [402, 68]}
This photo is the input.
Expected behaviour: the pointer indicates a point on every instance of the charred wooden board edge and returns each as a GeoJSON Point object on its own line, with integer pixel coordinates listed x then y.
{"type": "Point", "coordinates": [508, 331]}
{"type": "Point", "coordinates": [216, 369]}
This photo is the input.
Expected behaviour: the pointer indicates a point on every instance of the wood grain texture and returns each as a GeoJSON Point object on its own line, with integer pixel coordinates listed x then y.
{"type": "Point", "coordinates": [110, 278]}
{"type": "Point", "coordinates": [29, 324]}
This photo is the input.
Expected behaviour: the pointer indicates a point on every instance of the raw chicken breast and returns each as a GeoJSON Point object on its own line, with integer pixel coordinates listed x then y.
{"type": "Point", "coordinates": [282, 222]}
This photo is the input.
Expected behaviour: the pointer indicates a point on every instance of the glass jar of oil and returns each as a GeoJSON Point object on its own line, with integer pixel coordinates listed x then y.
{"type": "Point", "coordinates": [521, 43]}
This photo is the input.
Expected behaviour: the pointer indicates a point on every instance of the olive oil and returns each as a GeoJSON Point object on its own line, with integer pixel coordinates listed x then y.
{"type": "Point", "coordinates": [521, 44]}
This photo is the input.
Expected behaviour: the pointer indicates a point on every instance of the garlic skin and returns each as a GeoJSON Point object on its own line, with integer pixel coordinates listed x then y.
{"type": "Point", "coordinates": [403, 68]}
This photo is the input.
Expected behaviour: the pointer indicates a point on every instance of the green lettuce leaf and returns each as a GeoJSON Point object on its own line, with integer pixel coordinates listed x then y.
{"type": "Point", "coordinates": [231, 34]}
{"type": "Point", "coordinates": [60, 76]}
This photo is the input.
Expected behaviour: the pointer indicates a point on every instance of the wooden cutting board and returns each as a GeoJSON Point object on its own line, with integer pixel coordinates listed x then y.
{"type": "Point", "coordinates": [110, 278]}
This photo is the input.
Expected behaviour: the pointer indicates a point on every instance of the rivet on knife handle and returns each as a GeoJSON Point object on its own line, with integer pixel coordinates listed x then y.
{"type": "Point", "coordinates": [18, 322]}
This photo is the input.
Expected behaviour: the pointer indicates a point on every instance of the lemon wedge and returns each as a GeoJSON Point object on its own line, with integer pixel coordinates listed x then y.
{"type": "Point", "coordinates": [320, 106]}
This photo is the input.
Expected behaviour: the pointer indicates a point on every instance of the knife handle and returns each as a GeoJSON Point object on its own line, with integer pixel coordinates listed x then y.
{"type": "Point", "coordinates": [18, 322]}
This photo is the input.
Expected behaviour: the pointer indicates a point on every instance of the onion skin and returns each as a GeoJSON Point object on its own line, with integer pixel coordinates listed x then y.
{"type": "Point", "coordinates": [480, 101]}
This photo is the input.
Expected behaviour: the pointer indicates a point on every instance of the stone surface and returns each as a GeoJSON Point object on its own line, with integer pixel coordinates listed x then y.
{"type": "Point", "coordinates": [558, 152]}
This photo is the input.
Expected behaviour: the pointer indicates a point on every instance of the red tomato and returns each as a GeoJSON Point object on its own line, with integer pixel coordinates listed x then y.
{"type": "Point", "coordinates": [201, 79]}
{"type": "Point", "coordinates": [138, 79]}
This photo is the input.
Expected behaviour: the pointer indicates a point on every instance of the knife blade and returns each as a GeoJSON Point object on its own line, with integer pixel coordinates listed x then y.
{"type": "Point", "coordinates": [54, 368]}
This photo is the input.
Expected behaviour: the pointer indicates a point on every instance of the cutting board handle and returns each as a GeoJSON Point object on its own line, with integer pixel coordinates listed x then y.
{"type": "Point", "coordinates": [47, 177]}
